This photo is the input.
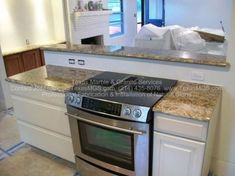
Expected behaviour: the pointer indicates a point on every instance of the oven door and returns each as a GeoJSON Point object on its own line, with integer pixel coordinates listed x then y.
{"type": "Point", "coordinates": [117, 145]}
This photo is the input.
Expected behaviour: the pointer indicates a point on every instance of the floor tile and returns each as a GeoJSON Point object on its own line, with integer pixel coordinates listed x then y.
{"type": "Point", "coordinates": [9, 134]}
{"type": "Point", "coordinates": [20, 159]}
{"type": "Point", "coordinates": [2, 155]}
{"type": "Point", "coordinates": [28, 162]}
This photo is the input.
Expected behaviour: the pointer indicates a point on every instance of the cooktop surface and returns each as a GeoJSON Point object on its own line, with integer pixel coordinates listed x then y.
{"type": "Point", "coordinates": [124, 88]}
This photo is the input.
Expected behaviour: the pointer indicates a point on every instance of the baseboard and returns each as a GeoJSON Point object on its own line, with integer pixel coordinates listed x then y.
{"type": "Point", "coordinates": [223, 168]}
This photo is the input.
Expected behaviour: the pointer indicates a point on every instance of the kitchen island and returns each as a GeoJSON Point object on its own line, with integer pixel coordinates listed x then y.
{"type": "Point", "coordinates": [184, 122]}
{"type": "Point", "coordinates": [141, 53]}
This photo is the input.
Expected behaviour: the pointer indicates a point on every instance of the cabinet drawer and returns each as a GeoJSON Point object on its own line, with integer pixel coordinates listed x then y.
{"type": "Point", "coordinates": [42, 95]}
{"type": "Point", "coordinates": [41, 114]}
{"type": "Point", "coordinates": [46, 140]}
{"type": "Point", "coordinates": [179, 126]}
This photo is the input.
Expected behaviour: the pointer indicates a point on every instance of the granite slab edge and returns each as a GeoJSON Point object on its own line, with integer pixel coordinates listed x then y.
{"type": "Point", "coordinates": [28, 48]}
{"type": "Point", "coordinates": [165, 58]}
{"type": "Point", "coordinates": [38, 86]}
{"type": "Point", "coordinates": [197, 105]}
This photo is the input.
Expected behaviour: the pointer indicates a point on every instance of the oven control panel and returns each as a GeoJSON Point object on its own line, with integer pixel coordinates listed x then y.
{"type": "Point", "coordinates": [135, 113]}
{"type": "Point", "coordinates": [114, 109]}
{"type": "Point", "coordinates": [73, 99]}
{"type": "Point", "coordinates": [102, 106]}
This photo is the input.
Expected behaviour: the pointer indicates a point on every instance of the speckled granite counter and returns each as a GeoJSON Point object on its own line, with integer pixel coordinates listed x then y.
{"type": "Point", "coordinates": [190, 100]}
{"type": "Point", "coordinates": [28, 48]}
{"type": "Point", "coordinates": [53, 78]}
{"type": "Point", "coordinates": [143, 53]}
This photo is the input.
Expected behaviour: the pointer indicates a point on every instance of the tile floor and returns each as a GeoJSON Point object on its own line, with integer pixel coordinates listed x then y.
{"type": "Point", "coordinates": [20, 159]}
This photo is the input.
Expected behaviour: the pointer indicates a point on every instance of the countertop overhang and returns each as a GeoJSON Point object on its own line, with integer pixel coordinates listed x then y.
{"type": "Point", "coordinates": [188, 100]}
{"type": "Point", "coordinates": [28, 48]}
{"type": "Point", "coordinates": [143, 53]}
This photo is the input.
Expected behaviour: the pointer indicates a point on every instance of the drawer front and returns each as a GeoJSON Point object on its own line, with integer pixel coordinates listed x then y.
{"type": "Point", "coordinates": [46, 140]}
{"type": "Point", "coordinates": [38, 94]}
{"type": "Point", "coordinates": [179, 126]}
{"type": "Point", "coordinates": [41, 114]}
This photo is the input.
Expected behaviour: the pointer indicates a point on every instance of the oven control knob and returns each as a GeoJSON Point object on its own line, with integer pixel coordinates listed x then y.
{"type": "Point", "coordinates": [127, 111]}
{"type": "Point", "coordinates": [78, 100]}
{"type": "Point", "coordinates": [137, 113]}
{"type": "Point", "coordinates": [71, 98]}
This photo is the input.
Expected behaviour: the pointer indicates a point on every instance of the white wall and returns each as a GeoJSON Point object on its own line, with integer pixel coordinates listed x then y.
{"type": "Point", "coordinates": [191, 13]}
{"type": "Point", "coordinates": [58, 20]}
{"type": "Point", "coordinates": [38, 21]}
{"type": "Point", "coordinates": [5, 100]}
{"type": "Point", "coordinates": [130, 25]}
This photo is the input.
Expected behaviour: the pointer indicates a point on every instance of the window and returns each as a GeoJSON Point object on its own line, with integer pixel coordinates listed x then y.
{"type": "Point", "coordinates": [116, 19]}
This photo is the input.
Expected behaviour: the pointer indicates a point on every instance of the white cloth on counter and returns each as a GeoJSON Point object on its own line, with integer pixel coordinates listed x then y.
{"type": "Point", "coordinates": [170, 37]}
{"type": "Point", "coordinates": [151, 36]}
{"type": "Point", "coordinates": [186, 39]}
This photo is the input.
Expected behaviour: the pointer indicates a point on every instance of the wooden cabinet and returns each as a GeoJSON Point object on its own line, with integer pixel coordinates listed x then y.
{"type": "Point", "coordinates": [13, 64]}
{"type": "Point", "coordinates": [21, 62]}
{"type": "Point", "coordinates": [31, 60]}
{"type": "Point", "coordinates": [176, 156]}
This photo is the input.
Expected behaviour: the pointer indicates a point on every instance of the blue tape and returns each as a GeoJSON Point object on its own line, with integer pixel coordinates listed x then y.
{"type": "Point", "coordinates": [5, 152]}
{"type": "Point", "coordinates": [15, 146]}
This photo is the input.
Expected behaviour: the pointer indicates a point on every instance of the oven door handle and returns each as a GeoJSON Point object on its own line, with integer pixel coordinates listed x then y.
{"type": "Point", "coordinates": [132, 131]}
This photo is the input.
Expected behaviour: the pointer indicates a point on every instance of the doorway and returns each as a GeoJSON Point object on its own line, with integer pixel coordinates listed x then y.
{"type": "Point", "coordinates": [155, 12]}
{"type": "Point", "coordinates": [150, 11]}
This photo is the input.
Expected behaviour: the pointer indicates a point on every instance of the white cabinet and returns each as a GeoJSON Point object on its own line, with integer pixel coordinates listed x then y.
{"type": "Point", "coordinates": [41, 120]}
{"type": "Point", "coordinates": [176, 156]}
{"type": "Point", "coordinates": [183, 146]}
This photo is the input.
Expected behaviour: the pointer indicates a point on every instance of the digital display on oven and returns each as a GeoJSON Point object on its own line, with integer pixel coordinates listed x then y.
{"type": "Point", "coordinates": [101, 106]}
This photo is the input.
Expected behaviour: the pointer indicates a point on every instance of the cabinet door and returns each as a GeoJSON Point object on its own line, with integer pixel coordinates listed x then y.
{"type": "Point", "coordinates": [31, 59]}
{"type": "Point", "coordinates": [175, 156]}
{"type": "Point", "coordinates": [13, 64]}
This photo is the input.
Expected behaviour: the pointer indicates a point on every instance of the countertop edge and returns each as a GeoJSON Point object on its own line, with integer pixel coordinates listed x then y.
{"type": "Point", "coordinates": [177, 60]}
{"type": "Point", "coordinates": [29, 48]}
{"type": "Point", "coordinates": [47, 88]}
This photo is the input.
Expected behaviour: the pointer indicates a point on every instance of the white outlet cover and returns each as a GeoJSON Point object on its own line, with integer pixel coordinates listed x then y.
{"type": "Point", "coordinates": [197, 76]}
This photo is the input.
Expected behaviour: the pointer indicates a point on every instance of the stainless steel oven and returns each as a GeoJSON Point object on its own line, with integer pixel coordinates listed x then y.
{"type": "Point", "coordinates": [120, 147]}
{"type": "Point", "coordinates": [111, 122]}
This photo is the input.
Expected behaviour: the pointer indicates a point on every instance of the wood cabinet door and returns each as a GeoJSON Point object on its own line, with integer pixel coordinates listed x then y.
{"type": "Point", "coordinates": [176, 156]}
{"type": "Point", "coordinates": [13, 64]}
{"type": "Point", "coordinates": [31, 59]}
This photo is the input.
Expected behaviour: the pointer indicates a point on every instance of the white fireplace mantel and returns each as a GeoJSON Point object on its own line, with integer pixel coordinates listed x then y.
{"type": "Point", "coordinates": [88, 24]}
{"type": "Point", "coordinates": [92, 13]}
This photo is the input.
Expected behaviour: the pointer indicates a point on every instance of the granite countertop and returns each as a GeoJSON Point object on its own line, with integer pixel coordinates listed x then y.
{"type": "Point", "coordinates": [190, 100]}
{"type": "Point", "coordinates": [52, 78]}
{"type": "Point", "coordinates": [28, 48]}
{"type": "Point", "coordinates": [143, 53]}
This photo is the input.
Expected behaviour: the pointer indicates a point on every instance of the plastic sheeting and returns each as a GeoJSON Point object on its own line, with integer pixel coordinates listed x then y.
{"type": "Point", "coordinates": [170, 37]}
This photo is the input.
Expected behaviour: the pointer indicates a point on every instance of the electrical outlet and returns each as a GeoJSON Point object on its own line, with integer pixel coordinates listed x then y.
{"type": "Point", "coordinates": [197, 76]}
{"type": "Point", "coordinates": [81, 62]}
{"type": "Point", "coordinates": [27, 42]}
{"type": "Point", "coordinates": [71, 61]}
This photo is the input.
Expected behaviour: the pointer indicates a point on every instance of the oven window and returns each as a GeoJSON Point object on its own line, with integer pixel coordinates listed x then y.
{"type": "Point", "coordinates": [110, 146]}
